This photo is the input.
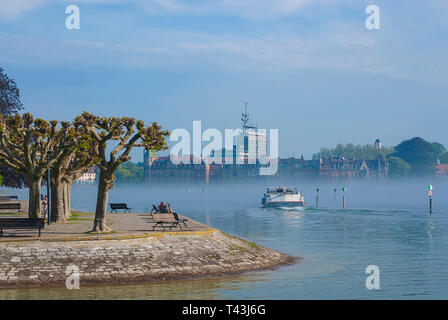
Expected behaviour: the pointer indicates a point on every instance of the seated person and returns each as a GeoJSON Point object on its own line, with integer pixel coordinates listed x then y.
{"type": "Point", "coordinates": [163, 208]}
{"type": "Point", "coordinates": [170, 210]}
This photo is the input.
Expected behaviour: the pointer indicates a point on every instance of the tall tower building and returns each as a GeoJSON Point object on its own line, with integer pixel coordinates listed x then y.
{"type": "Point", "coordinates": [148, 159]}
{"type": "Point", "coordinates": [250, 145]}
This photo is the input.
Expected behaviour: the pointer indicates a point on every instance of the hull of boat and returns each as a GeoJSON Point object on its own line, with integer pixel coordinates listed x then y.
{"type": "Point", "coordinates": [285, 204]}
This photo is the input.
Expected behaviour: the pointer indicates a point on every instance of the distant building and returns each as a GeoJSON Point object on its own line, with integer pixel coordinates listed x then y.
{"type": "Point", "coordinates": [242, 163]}
{"type": "Point", "coordinates": [149, 158]}
{"type": "Point", "coordinates": [378, 144]}
{"type": "Point", "coordinates": [250, 145]}
{"type": "Point", "coordinates": [87, 177]}
{"type": "Point", "coordinates": [442, 170]}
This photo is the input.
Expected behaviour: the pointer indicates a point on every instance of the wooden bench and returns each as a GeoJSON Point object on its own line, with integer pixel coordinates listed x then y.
{"type": "Point", "coordinates": [171, 219]}
{"type": "Point", "coordinates": [119, 206]}
{"type": "Point", "coordinates": [11, 205]}
{"type": "Point", "coordinates": [21, 223]}
{"type": "Point", "coordinates": [7, 198]}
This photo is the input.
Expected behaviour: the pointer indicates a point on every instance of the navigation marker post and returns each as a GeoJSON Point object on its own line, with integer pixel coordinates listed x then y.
{"type": "Point", "coordinates": [202, 192]}
{"type": "Point", "coordinates": [430, 198]}
{"type": "Point", "coordinates": [343, 197]}
{"type": "Point", "coordinates": [317, 198]}
{"type": "Point", "coordinates": [334, 196]}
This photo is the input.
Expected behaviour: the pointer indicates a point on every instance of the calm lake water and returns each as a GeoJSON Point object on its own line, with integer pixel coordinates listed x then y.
{"type": "Point", "coordinates": [385, 224]}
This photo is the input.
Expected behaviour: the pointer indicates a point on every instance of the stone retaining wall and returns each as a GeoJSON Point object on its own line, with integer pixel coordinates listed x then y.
{"type": "Point", "coordinates": [179, 256]}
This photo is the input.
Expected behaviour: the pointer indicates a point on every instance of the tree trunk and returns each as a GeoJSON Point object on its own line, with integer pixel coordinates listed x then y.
{"type": "Point", "coordinates": [57, 201]}
{"type": "Point", "coordinates": [67, 200]}
{"type": "Point", "coordinates": [101, 202]}
{"type": "Point", "coordinates": [34, 205]}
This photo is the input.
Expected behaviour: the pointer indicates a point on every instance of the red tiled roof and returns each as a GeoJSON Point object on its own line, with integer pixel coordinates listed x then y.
{"type": "Point", "coordinates": [442, 169]}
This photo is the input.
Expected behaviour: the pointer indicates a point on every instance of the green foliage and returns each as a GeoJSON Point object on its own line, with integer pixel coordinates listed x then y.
{"type": "Point", "coordinates": [444, 158]}
{"type": "Point", "coordinates": [438, 148]}
{"type": "Point", "coordinates": [398, 167]}
{"type": "Point", "coordinates": [129, 172]}
{"type": "Point", "coordinates": [351, 151]}
{"type": "Point", "coordinates": [419, 154]}
{"type": "Point", "coordinates": [9, 95]}
{"type": "Point", "coordinates": [31, 145]}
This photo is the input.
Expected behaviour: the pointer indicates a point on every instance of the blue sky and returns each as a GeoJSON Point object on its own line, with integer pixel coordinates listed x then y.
{"type": "Point", "coordinates": [308, 68]}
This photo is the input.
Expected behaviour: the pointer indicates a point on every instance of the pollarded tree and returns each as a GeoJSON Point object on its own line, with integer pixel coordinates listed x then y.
{"type": "Point", "coordinates": [29, 146]}
{"type": "Point", "coordinates": [129, 133]}
{"type": "Point", "coordinates": [70, 166]}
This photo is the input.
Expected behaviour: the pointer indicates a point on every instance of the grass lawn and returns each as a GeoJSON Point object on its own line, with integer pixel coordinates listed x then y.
{"type": "Point", "coordinates": [77, 216]}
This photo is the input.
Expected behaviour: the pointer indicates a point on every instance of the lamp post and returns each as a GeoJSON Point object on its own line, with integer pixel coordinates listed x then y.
{"type": "Point", "coordinates": [48, 191]}
{"type": "Point", "coordinates": [48, 195]}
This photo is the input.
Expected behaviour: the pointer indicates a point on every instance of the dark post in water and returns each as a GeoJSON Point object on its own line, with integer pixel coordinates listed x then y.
{"type": "Point", "coordinates": [343, 197]}
{"type": "Point", "coordinates": [430, 198]}
{"type": "Point", "coordinates": [317, 198]}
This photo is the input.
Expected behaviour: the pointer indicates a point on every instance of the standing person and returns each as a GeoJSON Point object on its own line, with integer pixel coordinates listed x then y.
{"type": "Point", "coordinates": [42, 202]}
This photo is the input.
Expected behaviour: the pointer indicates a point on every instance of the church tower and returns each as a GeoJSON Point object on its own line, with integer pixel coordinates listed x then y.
{"type": "Point", "coordinates": [378, 144]}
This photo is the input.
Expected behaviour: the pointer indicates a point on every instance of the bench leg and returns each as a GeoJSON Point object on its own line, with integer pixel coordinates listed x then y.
{"type": "Point", "coordinates": [39, 232]}
{"type": "Point", "coordinates": [175, 224]}
{"type": "Point", "coordinates": [158, 223]}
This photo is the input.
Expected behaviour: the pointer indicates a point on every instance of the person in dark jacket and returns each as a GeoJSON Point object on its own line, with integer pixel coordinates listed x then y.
{"type": "Point", "coordinates": [163, 208]}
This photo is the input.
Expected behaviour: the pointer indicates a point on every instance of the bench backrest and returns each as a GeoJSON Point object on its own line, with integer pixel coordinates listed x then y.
{"type": "Point", "coordinates": [163, 217]}
{"type": "Point", "coordinates": [11, 223]}
{"type": "Point", "coordinates": [118, 206]}
{"type": "Point", "coordinates": [7, 198]}
{"type": "Point", "coordinates": [15, 205]}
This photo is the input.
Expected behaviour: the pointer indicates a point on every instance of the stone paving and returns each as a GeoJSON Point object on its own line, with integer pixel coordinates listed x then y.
{"type": "Point", "coordinates": [123, 224]}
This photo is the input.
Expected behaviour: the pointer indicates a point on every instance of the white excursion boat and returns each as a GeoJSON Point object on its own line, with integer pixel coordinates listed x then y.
{"type": "Point", "coordinates": [282, 197]}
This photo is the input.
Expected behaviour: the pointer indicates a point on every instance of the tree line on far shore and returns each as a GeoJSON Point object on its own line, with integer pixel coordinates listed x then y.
{"type": "Point", "coordinates": [413, 157]}
{"type": "Point", "coordinates": [29, 146]}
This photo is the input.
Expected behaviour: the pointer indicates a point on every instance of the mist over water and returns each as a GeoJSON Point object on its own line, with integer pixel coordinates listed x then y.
{"type": "Point", "coordinates": [385, 224]}
{"type": "Point", "coordinates": [392, 194]}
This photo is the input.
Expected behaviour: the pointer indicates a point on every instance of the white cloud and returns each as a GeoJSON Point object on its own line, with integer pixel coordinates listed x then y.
{"type": "Point", "coordinates": [13, 8]}
{"type": "Point", "coordinates": [253, 9]}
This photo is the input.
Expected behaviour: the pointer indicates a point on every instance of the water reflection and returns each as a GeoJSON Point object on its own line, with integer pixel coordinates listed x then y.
{"type": "Point", "coordinates": [187, 289]}
{"type": "Point", "coordinates": [395, 233]}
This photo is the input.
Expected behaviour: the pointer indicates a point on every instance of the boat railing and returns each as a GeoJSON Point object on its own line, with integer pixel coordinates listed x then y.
{"type": "Point", "coordinates": [282, 190]}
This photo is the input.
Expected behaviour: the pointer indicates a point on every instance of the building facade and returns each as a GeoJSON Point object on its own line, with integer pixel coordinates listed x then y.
{"type": "Point", "coordinates": [243, 163]}
{"type": "Point", "coordinates": [87, 177]}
